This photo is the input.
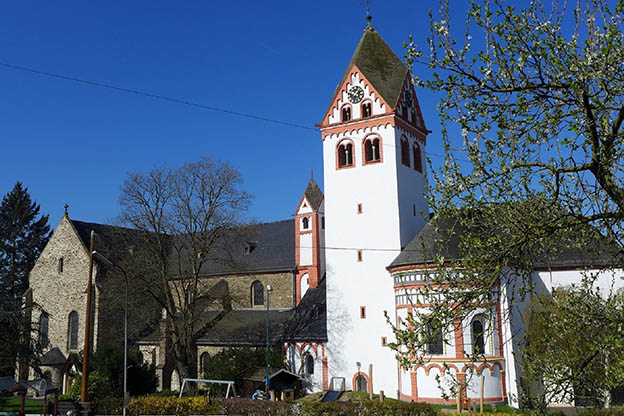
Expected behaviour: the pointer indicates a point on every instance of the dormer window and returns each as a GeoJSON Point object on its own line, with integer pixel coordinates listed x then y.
{"type": "Point", "coordinates": [345, 154]}
{"type": "Point", "coordinates": [305, 223]}
{"type": "Point", "coordinates": [346, 113]}
{"type": "Point", "coordinates": [367, 110]}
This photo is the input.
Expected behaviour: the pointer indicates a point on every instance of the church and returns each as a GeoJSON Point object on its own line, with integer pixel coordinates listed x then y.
{"type": "Point", "coordinates": [351, 254]}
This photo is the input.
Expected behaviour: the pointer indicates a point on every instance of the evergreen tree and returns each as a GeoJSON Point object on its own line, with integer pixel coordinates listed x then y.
{"type": "Point", "coordinates": [23, 234]}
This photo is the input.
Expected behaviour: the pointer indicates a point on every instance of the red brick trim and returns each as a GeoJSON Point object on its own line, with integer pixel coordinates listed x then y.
{"type": "Point", "coordinates": [325, 372]}
{"type": "Point", "coordinates": [356, 375]}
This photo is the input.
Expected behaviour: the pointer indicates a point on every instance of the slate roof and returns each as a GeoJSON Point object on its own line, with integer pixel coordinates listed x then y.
{"type": "Point", "coordinates": [273, 246]}
{"type": "Point", "coordinates": [53, 357]}
{"type": "Point", "coordinates": [309, 322]}
{"type": "Point", "coordinates": [380, 65]}
{"type": "Point", "coordinates": [270, 247]}
{"type": "Point", "coordinates": [313, 194]}
{"type": "Point", "coordinates": [442, 237]}
{"type": "Point", "coordinates": [247, 327]}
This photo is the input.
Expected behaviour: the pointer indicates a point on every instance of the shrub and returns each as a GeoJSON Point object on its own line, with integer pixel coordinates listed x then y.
{"type": "Point", "coordinates": [366, 409]}
{"type": "Point", "coordinates": [108, 406]}
{"type": "Point", "coordinates": [610, 411]}
{"type": "Point", "coordinates": [255, 407]}
{"type": "Point", "coordinates": [184, 406]}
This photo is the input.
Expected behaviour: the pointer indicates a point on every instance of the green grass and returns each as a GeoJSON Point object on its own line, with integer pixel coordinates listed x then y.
{"type": "Point", "coordinates": [13, 403]}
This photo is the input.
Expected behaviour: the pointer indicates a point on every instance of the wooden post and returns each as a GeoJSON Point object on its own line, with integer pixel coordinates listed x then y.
{"type": "Point", "coordinates": [56, 403]}
{"type": "Point", "coordinates": [370, 377]}
{"type": "Point", "coordinates": [45, 403]}
{"type": "Point", "coordinates": [22, 410]}
{"type": "Point", "coordinates": [482, 388]}
{"type": "Point", "coordinates": [381, 396]}
{"type": "Point", "coordinates": [85, 350]}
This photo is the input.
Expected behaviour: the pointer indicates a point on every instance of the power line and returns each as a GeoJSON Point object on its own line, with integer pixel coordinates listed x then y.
{"type": "Point", "coordinates": [150, 95]}
{"type": "Point", "coordinates": [178, 101]}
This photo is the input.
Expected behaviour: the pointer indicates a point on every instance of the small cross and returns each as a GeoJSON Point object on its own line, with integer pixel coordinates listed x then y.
{"type": "Point", "coordinates": [66, 206]}
{"type": "Point", "coordinates": [368, 15]}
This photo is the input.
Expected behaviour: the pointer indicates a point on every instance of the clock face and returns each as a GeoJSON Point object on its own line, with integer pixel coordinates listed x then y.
{"type": "Point", "coordinates": [355, 94]}
{"type": "Point", "coordinates": [408, 99]}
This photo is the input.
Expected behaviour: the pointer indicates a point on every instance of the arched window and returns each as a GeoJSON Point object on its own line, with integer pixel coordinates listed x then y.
{"type": "Point", "coordinates": [417, 158]}
{"type": "Point", "coordinates": [361, 384]}
{"type": "Point", "coordinates": [305, 223]}
{"type": "Point", "coordinates": [44, 321]}
{"type": "Point", "coordinates": [257, 293]}
{"type": "Point", "coordinates": [367, 109]}
{"type": "Point", "coordinates": [405, 157]}
{"type": "Point", "coordinates": [345, 154]}
{"type": "Point", "coordinates": [309, 364]}
{"type": "Point", "coordinates": [478, 338]}
{"type": "Point", "coordinates": [72, 331]}
{"type": "Point", "coordinates": [435, 343]}
{"type": "Point", "coordinates": [203, 361]}
{"type": "Point", "coordinates": [372, 151]}
{"type": "Point", "coordinates": [346, 113]}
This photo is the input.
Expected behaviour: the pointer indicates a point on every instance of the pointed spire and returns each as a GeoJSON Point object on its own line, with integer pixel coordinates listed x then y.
{"type": "Point", "coordinates": [313, 194]}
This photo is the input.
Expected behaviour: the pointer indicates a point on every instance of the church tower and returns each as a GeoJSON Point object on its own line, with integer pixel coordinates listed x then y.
{"type": "Point", "coordinates": [374, 142]}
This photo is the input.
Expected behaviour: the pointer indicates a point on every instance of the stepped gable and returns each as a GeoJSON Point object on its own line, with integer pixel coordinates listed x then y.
{"type": "Point", "coordinates": [380, 65]}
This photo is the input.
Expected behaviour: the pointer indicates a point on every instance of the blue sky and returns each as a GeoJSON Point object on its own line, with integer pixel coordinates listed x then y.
{"type": "Point", "coordinates": [73, 143]}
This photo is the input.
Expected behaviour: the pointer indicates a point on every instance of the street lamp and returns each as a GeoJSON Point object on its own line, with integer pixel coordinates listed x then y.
{"type": "Point", "coordinates": [268, 363]}
{"type": "Point", "coordinates": [125, 373]}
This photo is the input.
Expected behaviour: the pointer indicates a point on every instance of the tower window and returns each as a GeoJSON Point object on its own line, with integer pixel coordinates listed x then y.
{"type": "Point", "coordinates": [405, 157]}
{"type": "Point", "coordinates": [345, 155]}
{"type": "Point", "coordinates": [417, 158]}
{"type": "Point", "coordinates": [323, 223]}
{"type": "Point", "coordinates": [384, 341]}
{"type": "Point", "coordinates": [72, 331]}
{"type": "Point", "coordinates": [372, 150]}
{"type": "Point", "coordinates": [346, 113]}
{"type": "Point", "coordinates": [305, 223]}
{"type": "Point", "coordinates": [367, 109]}
{"type": "Point", "coordinates": [362, 312]}
{"type": "Point", "coordinates": [257, 293]}
{"type": "Point", "coordinates": [359, 208]}
{"type": "Point", "coordinates": [359, 255]}
{"type": "Point", "coordinates": [60, 265]}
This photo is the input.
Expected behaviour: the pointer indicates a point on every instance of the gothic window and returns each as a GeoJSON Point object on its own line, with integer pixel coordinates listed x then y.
{"type": "Point", "coordinates": [305, 223]}
{"type": "Point", "coordinates": [72, 331]}
{"type": "Point", "coordinates": [367, 109]}
{"type": "Point", "coordinates": [417, 158]}
{"type": "Point", "coordinates": [372, 151]}
{"type": "Point", "coordinates": [309, 364]}
{"type": "Point", "coordinates": [478, 336]}
{"type": "Point", "coordinates": [435, 343]}
{"type": "Point", "coordinates": [257, 293]}
{"type": "Point", "coordinates": [60, 265]}
{"type": "Point", "coordinates": [44, 321]}
{"type": "Point", "coordinates": [346, 113]}
{"type": "Point", "coordinates": [345, 155]}
{"type": "Point", "coordinates": [405, 157]}
{"type": "Point", "coordinates": [361, 384]}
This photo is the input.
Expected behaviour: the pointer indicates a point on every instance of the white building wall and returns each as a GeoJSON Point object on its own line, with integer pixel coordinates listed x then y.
{"type": "Point", "coordinates": [305, 249]}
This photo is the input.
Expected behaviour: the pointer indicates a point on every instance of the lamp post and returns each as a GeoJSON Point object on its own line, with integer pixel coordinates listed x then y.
{"type": "Point", "coordinates": [125, 371]}
{"type": "Point", "coordinates": [268, 342]}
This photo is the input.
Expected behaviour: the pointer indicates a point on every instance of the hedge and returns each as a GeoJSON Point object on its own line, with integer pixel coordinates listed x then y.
{"type": "Point", "coordinates": [184, 406]}
{"type": "Point", "coordinates": [367, 409]}
{"type": "Point", "coordinates": [235, 407]}
{"type": "Point", "coordinates": [609, 411]}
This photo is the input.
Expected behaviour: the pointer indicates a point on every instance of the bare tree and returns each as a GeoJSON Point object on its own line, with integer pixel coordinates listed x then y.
{"type": "Point", "coordinates": [188, 217]}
